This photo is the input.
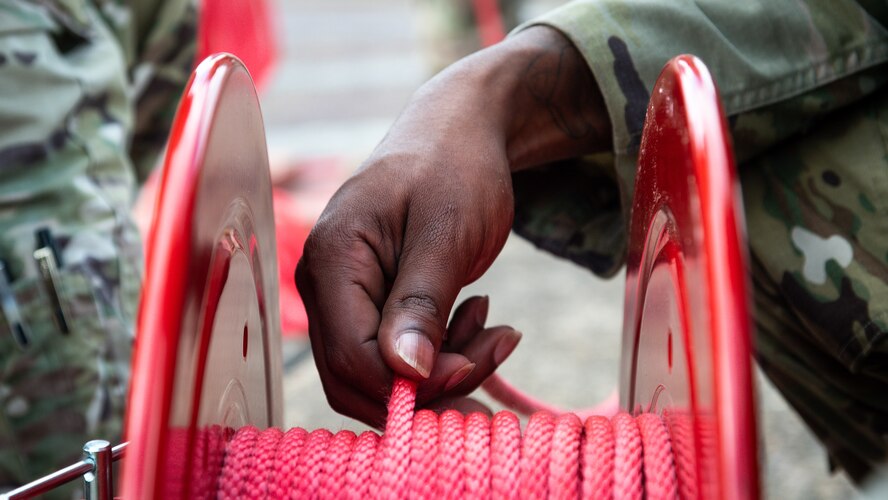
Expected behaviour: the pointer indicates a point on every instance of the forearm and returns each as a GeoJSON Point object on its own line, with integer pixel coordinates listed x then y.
{"type": "Point", "coordinates": [534, 91]}
{"type": "Point", "coordinates": [559, 111]}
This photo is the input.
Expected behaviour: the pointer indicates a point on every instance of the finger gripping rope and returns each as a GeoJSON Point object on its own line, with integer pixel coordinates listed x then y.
{"type": "Point", "coordinates": [424, 455]}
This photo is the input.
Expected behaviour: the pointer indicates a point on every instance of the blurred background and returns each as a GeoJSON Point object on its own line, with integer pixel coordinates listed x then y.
{"type": "Point", "coordinates": [344, 70]}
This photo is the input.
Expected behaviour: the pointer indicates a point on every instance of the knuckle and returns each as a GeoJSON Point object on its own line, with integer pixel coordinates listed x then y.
{"type": "Point", "coordinates": [418, 303]}
{"type": "Point", "coordinates": [337, 246]}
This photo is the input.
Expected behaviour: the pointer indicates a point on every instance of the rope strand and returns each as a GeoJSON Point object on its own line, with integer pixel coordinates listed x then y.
{"type": "Point", "coordinates": [424, 455]}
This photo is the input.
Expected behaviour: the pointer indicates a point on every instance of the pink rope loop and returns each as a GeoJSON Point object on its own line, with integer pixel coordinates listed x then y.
{"type": "Point", "coordinates": [340, 450]}
{"type": "Point", "coordinates": [681, 434]}
{"type": "Point", "coordinates": [451, 481]}
{"type": "Point", "coordinates": [285, 462]}
{"type": "Point", "coordinates": [627, 458]}
{"type": "Point", "coordinates": [659, 467]}
{"type": "Point", "coordinates": [564, 464]}
{"type": "Point", "coordinates": [424, 455]}
{"type": "Point", "coordinates": [535, 451]}
{"type": "Point", "coordinates": [360, 466]}
{"type": "Point", "coordinates": [259, 482]}
{"type": "Point", "coordinates": [238, 469]}
{"type": "Point", "coordinates": [505, 455]}
{"type": "Point", "coordinates": [477, 456]}
{"type": "Point", "coordinates": [314, 461]}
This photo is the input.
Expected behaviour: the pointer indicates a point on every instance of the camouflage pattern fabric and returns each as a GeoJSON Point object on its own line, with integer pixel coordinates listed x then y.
{"type": "Point", "coordinates": [87, 90]}
{"type": "Point", "coordinates": [803, 84]}
{"type": "Point", "coordinates": [818, 231]}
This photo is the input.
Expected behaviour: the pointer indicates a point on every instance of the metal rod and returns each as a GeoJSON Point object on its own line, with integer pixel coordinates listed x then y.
{"type": "Point", "coordinates": [60, 477]}
{"type": "Point", "coordinates": [50, 481]}
{"type": "Point", "coordinates": [119, 451]}
{"type": "Point", "coordinates": [97, 483]}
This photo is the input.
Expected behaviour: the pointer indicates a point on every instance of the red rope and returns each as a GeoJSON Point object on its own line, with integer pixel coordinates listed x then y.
{"type": "Point", "coordinates": [424, 455]}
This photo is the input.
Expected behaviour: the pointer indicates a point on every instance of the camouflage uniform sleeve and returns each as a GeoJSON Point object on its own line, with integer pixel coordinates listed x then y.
{"type": "Point", "coordinates": [158, 39]}
{"type": "Point", "coordinates": [779, 64]}
{"type": "Point", "coordinates": [161, 59]}
{"type": "Point", "coordinates": [69, 113]}
{"type": "Point", "coordinates": [803, 84]}
{"type": "Point", "coordinates": [770, 58]}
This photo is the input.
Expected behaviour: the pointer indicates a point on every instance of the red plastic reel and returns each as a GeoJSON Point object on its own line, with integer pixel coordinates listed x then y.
{"type": "Point", "coordinates": [686, 333]}
{"type": "Point", "coordinates": [208, 354]}
{"type": "Point", "coordinates": [208, 343]}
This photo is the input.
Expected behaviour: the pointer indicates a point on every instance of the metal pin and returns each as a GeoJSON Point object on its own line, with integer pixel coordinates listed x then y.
{"type": "Point", "coordinates": [49, 273]}
{"type": "Point", "coordinates": [97, 483]}
{"type": "Point", "coordinates": [9, 307]}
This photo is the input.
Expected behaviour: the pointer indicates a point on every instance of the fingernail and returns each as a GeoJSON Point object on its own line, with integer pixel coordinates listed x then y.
{"type": "Point", "coordinates": [459, 376]}
{"type": "Point", "coordinates": [482, 310]}
{"type": "Point", "coordinates": [505, 346]}
{"type": "Point", "coordinates": [417, 351]}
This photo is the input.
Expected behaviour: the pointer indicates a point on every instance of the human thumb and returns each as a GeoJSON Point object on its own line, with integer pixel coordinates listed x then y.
{"type": "Point", "coordinates": [414, 317]}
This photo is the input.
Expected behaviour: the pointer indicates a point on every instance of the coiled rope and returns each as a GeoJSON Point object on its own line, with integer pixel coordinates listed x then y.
{"type": "Point", "coordinates": [424, 455]}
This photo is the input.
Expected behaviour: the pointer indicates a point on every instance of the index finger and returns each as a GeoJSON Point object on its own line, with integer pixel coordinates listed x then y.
{"type": "Point", "coordinates": [342, 283]}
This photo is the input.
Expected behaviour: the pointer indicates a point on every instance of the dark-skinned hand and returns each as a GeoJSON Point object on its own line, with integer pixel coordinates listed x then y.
{"type": "Point", "coordinates": [428, 213]}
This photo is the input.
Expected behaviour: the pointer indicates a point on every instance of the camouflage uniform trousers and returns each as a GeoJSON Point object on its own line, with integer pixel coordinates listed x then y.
{"type": "Point", "coordinates": [817, 216]}
{"type": "Point", "coordinates": [87, 89]}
